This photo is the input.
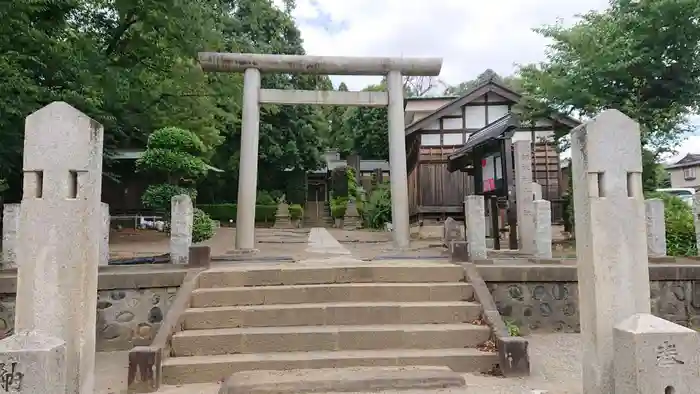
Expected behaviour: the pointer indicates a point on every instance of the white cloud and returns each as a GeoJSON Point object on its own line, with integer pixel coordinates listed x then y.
{"type": "Point", "coordinates": [470, 36]}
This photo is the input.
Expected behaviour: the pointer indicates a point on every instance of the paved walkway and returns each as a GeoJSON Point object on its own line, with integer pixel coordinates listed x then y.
{"type": "Point", "coordinates": [321, 241]}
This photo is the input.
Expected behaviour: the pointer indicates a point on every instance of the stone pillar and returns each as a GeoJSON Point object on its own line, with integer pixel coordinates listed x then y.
{"type": "Point", "coordinates": [696, 219]}
{"type": "Point", "coordinates": [181, 220]}
{"type": "Point", "coordinates": [104, 245]}
{"type": "Point", "coordinates": [523, 195]}
{"type": "Point", "coordinates": [33, 363]}
{"type": "Point", "coordinates": [60, 234]}
{"type": "Point", "coordinates": [536, 191]}
{"type": "Point", "coordinates": [397, 162]}
{"type": "Point", "coordinates": [543, 229]}
{"type": "Point", "coordinates": [10, 235]}
{"type": "Point", "coordinates": [656, 228]}
{"type": "Point", "coordinates": [248, 174]}
{"type": "Point", "coordinates": [613, 266]}
{"type": "Point", "coordinates": [475, 217]}
{"type": "Point", "coordinates": [653, 355]}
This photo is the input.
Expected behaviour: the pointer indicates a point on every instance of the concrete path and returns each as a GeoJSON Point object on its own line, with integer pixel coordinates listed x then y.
{"type": "Point", "coordinates": [321, 241]}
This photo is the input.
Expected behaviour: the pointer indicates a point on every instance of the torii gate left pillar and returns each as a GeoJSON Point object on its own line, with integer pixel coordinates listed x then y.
{"type": "Point", "coordinates": [252, 64]}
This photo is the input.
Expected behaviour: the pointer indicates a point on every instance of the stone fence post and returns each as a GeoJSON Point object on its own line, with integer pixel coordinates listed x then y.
{"type": "Point", "coordinates": [181, 221]}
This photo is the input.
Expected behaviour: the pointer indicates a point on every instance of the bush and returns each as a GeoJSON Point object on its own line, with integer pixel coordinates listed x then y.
{"type": "Point", "coordinates": [157, 197]}
{"type": "Point", "coordinates": [377, 211]}
{"type": "Point", "coordinates": [226, 213]}
{"type": "Point", "coordinates": [680, 229]}
{"type": "Point", "coordinates": [202, 226]}
{"type": "Point", "coordinates": [296, 212]}
{"type": "Point", "coordinates": [338, 207]}
{"type": "Point", "coordinates": [265, 198]}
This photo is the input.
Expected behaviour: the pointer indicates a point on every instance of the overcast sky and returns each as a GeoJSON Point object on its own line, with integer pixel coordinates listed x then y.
{"type": "Point", "coordinates": [470, 35]}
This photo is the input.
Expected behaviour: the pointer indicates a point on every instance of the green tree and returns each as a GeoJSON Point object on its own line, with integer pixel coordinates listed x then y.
{"type": "Point", "coordinates": [290, 136]}
{"type": "Point", "coordinates": [367, 128]}
{"type": "Point", "coordinates": [173, 157]}
{"type": "Point", "coordinates": [640, 57]}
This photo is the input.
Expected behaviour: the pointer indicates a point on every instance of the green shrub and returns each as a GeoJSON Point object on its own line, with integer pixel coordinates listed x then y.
{"type": "Point", "coordinates": [202, 226]}
{"type": "Point", "coordinates": [338, 207]}
{"type": "Point", "coordinates": [226, 213]}
{"type": "Point", "coordinates": [265, 198]}
{"type": "Point", "coordinates": [680, 229]}
{"type": "Point", "coordinates": [157, 197]}
{"type": "Point", "coordinates": [296, 211]}
{"type": "Point", "coordinates": [377, 211]}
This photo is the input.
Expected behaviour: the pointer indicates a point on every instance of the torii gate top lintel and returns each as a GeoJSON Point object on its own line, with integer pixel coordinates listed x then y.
{"type": "Point", "coordinates": [331, 65]}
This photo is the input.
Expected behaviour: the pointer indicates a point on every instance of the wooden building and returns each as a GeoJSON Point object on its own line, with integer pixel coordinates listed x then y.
{"type": "Point", "coordinates": [436, 127]}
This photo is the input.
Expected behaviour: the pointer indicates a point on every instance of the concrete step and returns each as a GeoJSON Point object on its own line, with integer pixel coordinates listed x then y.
{"type": "Point", "coordinates": [337, 313]}
{"type": "Point", "coordinates": [354, 272]}
{"type": "Point", "coordinates": [315, 338]}
{"type": "Point", "coordinates": [201, 369]}
{"type": "Point", "coordinates": [346, 380]}
{"type": "Point", "coordinates": [333, 292]}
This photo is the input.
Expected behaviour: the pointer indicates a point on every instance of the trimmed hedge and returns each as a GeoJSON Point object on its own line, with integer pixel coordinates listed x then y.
{"type": "Point", "coordinates": [227, 212]}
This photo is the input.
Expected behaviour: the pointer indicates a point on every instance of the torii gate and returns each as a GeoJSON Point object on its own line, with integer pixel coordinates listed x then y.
{"type": "Point", "coordinates": [252, 64]}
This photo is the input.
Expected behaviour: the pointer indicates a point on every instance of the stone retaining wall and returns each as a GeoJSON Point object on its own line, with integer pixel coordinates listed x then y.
{"type": "Point", "coordinates": [131, 303]}
{"type": "Point", "coordinates": [545, 297]}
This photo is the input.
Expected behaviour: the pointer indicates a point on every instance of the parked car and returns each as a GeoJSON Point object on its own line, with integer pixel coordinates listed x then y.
{"type": "Point", "coordinates": [684, 193]}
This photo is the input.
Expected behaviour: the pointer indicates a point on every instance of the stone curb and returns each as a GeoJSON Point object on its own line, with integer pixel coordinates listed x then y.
{"type": "Point", "coordinates": [513, 355]}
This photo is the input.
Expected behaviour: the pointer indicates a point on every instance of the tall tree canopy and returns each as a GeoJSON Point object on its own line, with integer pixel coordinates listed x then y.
{"type": "Point", "coordinates": [131, 65]}
{"type": "Point", "coordinates": [639, 56]}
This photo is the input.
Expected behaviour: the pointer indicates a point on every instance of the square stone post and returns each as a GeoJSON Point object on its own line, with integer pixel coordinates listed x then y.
{"type": "Point", "coordinates": [60, 235]}
{"type": "Point", "coordinates": [32, 363]}
{"type": "Point", "coordinates": [104, 245]}
{"type": "Point", "coordinates": [613, 266]}
{"type": "Point", "coordinates": [523, 196]}
{"type": "Point", "coordinates": [543, 229]}
{"type": "Point", "coordinates": [248, 175]}
{"type": "Point", "coordinates": [656, 227]}
{"type": "Point", "coordinates": [10, 235]}
{"type": "Point", "coordinates": [653, 355]}
{"type": "Point", "coordinates": [475, 217]}
{"type": "Point", "coordinates": [181, 220]}
{"type": "Point", "coordinates": [397, 162]}
{"type": "Point", "coordinates": [536, 191]}
{"type": "Point", "coordinates": [696, 219]}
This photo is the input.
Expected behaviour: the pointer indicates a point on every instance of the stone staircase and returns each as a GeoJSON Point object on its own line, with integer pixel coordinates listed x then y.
{"type": "Point", "coordinates": [328, 316]}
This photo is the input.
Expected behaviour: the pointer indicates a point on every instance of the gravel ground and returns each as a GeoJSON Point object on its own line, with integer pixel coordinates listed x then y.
{"type": "Point", "coordinates": [555, 360]}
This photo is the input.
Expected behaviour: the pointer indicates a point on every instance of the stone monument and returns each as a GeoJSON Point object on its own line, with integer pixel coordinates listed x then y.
{"type": "Point", "coordinates": [543, 229]}
{"type": "Point", "coordinates": [452, 231]}
{"type": "Point", "coordinates": [282, 215]}
{"type": "Point", "coordinates": [613, 272]}
{"type": "Point", "coordinates": [181, 217]}
{"type": "Point", "coordinates": [10, 235]}
{"type": "Point", "coordinates": [656, 227]}
{"type": "Point", "coordinates": [58, 253]}
{"type": "Point", "coordinates": [524, 196]}
{"type": "Point", "coordinates": [475, 217]}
